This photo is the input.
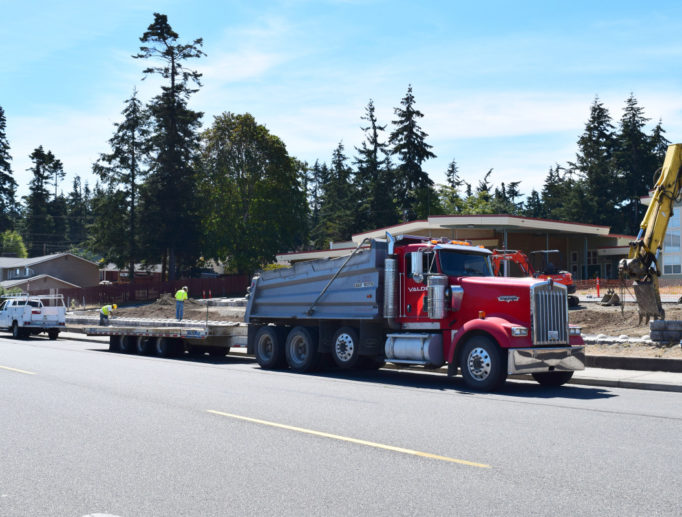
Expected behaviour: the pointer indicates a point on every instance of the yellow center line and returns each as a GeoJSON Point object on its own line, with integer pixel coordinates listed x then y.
{"type": "Point", "coordinates": [353, 440]}
{"type": "Point", "coordinates": [16, 370]}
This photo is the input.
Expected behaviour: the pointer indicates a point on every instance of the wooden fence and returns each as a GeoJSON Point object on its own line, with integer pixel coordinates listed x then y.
{"type": "Point", "coordinates": [227, 286]}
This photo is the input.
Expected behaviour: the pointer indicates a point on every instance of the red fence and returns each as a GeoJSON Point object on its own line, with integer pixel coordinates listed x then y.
{"type": "Point", "coordinates": [228, 286]}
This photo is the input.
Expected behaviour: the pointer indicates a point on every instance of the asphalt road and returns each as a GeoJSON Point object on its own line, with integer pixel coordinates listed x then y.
{"type": "Point", "coordinates": [87, 432]}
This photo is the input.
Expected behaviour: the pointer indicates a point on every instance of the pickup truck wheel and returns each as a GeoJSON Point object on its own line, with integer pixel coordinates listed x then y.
{"type": "Point", "coordinates": [552, 378]}
{"type": "Point", "coordinates": [301, 350]}
{"type": "Point", "coordinates": [482, 363]}
{"type": "Point", "coordinates": [18, 332]}
{"type": "Point", "coordinates": [128, 344]}
{"type": "Point", "coordinates": [52, 334]}
{"type": "Point", "coordinates": [345, 347]}
{"type": "Point", "coordinates": [269, 347]}
{"type": "Point", "coordinates": [144, 345]}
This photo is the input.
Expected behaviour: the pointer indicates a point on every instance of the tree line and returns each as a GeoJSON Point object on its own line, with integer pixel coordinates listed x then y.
{"type": "Point", "coordinates": [171, 193]}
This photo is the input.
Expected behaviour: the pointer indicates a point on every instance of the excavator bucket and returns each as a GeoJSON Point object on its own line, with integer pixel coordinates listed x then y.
{"type": "Point", "coordinates": [648, 300]}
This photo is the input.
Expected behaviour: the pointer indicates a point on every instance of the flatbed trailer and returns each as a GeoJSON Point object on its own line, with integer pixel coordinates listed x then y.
{"type": "Point", "coordinates": [216, 340]}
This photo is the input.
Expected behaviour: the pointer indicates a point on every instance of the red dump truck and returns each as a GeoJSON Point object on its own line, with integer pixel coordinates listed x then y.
{"type": "Point", "coordinates": [413, 300]}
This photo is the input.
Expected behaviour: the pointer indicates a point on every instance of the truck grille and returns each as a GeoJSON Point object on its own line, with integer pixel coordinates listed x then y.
{"type": "Point", "coordinates": [549, 305]}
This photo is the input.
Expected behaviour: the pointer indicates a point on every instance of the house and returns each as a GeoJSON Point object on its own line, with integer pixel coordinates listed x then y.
{"type": "Point", "coordinates": [588, 250]}
{"type": "Point", "coordinates": [57, 271]}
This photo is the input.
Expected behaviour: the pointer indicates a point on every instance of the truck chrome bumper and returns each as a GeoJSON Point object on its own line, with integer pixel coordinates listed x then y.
{"type": "Point", "coordinates": [530, 360]}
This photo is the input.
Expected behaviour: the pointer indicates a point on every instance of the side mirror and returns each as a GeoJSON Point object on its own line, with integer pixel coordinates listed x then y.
{"type": "Point", "coordinates": [417, 266]}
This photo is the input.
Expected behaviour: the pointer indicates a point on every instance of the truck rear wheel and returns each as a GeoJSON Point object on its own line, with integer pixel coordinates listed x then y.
{"type": "Point", "coordinates": [16, 331]}
{"type": "Point", "coordinates": [482, 364]}
{"type": "Point", "coordinates": [128, 344]}
{"type": "Point", "coordinates": [552, 378]}
{"type": "Point", "coordinates": [52, 334]}
{"type": "Point", "coordinates": [345, 347]}
{"type": "Point", "coordinates": [165, 347]}
{"type": "Point", "coordinates": [269, 347]}
{"type": "Point", "coordinates": [301, 350]}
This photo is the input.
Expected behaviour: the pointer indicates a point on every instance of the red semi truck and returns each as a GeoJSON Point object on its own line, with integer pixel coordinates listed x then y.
{"type": "Point", "coordinates": [418, 301]}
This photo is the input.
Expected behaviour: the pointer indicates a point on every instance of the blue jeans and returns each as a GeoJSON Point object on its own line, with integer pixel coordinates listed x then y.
{"type": "Point", "coordinates": [179, 306]}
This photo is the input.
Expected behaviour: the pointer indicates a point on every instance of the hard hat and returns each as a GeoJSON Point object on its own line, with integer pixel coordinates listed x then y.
{"type": "Point", "coordinates": [115, 306]}
{"type": "Point", "coordinates": [184, 288]}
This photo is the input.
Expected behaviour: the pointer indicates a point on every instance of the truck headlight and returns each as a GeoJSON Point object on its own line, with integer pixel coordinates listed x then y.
{"type": "Point", "coordinates": [519, 331]}
{"type": "Point", "coordinates": [574, 331]}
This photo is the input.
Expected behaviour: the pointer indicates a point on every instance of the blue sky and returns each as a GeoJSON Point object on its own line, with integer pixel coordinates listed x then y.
{"type": "Point", "coordinates": [502, 85]}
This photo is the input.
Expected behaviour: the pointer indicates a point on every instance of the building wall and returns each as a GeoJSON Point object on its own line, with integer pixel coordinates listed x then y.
{"type": "Point", "coordinates": [71, 269]}
{"type": "Point", "coordinates": [671, 258]}
{"type": "Point", "coordinates": [42, 284]}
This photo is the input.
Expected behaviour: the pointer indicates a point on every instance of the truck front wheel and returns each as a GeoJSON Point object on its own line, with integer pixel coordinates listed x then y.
{"type": "Point", "coordinates": [269, 348]}
{"type": "Point", "coordinates": [552, 378]}
{"type": "Point", "coordinates": [301, 350]}
{"type": "Point", "coordinates": [482, 363]}
{"type": "Point", "coordinates": [345, 347]}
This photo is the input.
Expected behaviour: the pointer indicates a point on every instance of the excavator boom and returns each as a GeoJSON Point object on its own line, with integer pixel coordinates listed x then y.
{"type": "Point", "coordinates": [642, 262]}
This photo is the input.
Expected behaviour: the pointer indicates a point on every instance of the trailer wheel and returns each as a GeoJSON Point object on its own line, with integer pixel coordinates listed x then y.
{"type": "Point", "coordinates": [114, 343]}
{"type": "Point", "coordinates": [144, 345]}
{"type": "Point", "coordinates": [301, 350]}
{"type": "Point", "coordinates": [483, 364]}
{"type": "Point", "coordinates": [52, 334]}
{"type": "Point", "coordinates": [164, 347]}
{"type": "Point", "coordinates": [345, 347]}
{"type": "Point", "coordinates": [128, 344]}
{"type": "Point", "coordinates": [552, 378]}
{"type": "Point", "coordinates": [269, 349]}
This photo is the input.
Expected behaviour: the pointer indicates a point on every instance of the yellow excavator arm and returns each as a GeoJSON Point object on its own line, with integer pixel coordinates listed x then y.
{"type": "Point", "coordinates": [642, 262]}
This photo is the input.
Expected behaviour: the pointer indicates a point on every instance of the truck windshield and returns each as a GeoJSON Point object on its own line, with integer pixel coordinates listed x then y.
{"type": "Point", "coordinates": [462, 263]}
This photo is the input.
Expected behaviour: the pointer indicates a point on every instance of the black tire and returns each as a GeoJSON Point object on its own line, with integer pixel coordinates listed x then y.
{"type": "Point", "coordinates": [301, 350]}
{"type": "Point", "coordinates": [114, 343]}
{"type": "Point", "coordinates": [483, 364]}
{"type": "Point", "coordinates": [144, 345]}
{"type": "Point", "coordinates": [573, 301]}
{"type": "Point", "coordinates": [218, 351]}
{"type": "Point", "coordinates": [17, 332]}
{"type": "Point", "coordinates": [269, 348]}
{"type": "Point", "coordinates": [128, 344]}
{"type": "Point", "coordinates": [165, 347]}
{"type": "Point", "coordinates": [552, 378]}
{"type": "Point", "coordinates": [345, 347]}
{"type": "Point", "coordinates": [52, 334]}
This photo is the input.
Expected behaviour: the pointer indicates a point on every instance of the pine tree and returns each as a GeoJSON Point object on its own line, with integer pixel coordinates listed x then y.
{"type": "Point", "coordinates": [8, 186]}
{"type": "Point", "coordinates": [171, 211]}
{"type": "Point", "coordinates": [414, 188]}
{"type": "Point", "coordinates": [636, 161]}
{"type": "Point", "coordinates": [122, 169]}
{"type": "Point", "coordinates": [449, 193]}
{"type": "Point", "coordinates": [78, 213]}
{"type": "Point", "coordinates": [534, 206]}
{"type": "Point", "coordinates": [39, 221]}
{"type": "Point", "coordinates": [596, 168]}
{"type": "Point", "coordinates": [659, 144]}
{"type": "Point", "coordinates": [373, 178]}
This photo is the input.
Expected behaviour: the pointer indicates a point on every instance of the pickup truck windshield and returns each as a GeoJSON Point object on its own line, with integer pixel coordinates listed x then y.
{"type": "Point", "coordinates": [462, 263]}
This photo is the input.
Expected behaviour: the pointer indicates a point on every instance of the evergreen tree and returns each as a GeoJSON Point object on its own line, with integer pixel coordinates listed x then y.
{"type": "Point", "coordinates": [108, 234]}
{"type": "Point", "coordinates": [171, 211]}
{"type": "Point", "coordinates": [8, 187]}
{"type": "Point", "coordinates": [596, 168]}
{"type": "Point", "coordinates": [57, 241]}
{"type": "Point", "coordinates": [534, 206]}
{"type": "Point", "coordinates": [449, 193]}
{"type": "Point", "coordinates": [414, 188]}
{"type": "Point", "coordinates": [339, 201]}
{"type": "Point", "coordinates": [659, 144]}
{"type": "Point", "coordinates": [253, 200]}
{"type": "Point", "coordinates": [39, 222]}
{"type": "Point", "coordinates": [78, 213]}
{"type": "Point", "coordinates": [122, 170]}
{"type": "Point", "coordinates": [636, 161]}
{"type": "Point", "coordinates": [373, 178]}
{"type": "Point", "coordinates": [13, 244]}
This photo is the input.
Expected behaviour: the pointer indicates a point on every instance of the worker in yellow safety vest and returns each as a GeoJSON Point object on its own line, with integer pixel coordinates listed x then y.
{"type": "Point", "coordinates": [104, 314]}
{"type": "Point", "coordinates": [180, 298]}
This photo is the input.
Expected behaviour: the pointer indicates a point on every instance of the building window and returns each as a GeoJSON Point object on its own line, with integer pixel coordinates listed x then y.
{"type": "Point", "coordinates": [592, 257]}
{"type": "Point", "coordinates": [672, 266]}
{"type": "Point", "coordinates": [574, 257]}
{"type": "Point", "coordinates": [607, 270]}
{"type": "Point", "coordinates": [671, 242]}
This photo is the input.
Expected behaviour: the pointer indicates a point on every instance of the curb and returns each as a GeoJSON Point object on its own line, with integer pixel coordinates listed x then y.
{"type": "Point", "coordinates": [650, 364]}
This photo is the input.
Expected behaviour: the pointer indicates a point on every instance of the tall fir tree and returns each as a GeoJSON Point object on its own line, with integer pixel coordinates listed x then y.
{"type": "Point", "coordinates": [123, 169]}
{"type": "Point", "coordinates": [414, 187]}
{"type": "Point", "coordinates": [373, 179]}
{"type": "Point", "coordinates": [8, 186]}
{"type": "Point", "coordinates": [78, 210]}
{"type": "Point", "coordinates": [596, 168]}
{"type": "Point", "coordinates": [171, 212]}
{"type": "Point", "coordinates": [449, 193]}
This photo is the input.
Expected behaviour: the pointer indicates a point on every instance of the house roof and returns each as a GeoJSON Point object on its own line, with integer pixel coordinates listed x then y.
{"type": "Point", "coordinates": [9, 284]}
{"type": "Point", "coordinates": [12, 262]}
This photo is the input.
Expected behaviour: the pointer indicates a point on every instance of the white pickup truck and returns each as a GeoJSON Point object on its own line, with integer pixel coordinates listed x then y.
{"type": "Point", "coordinates": [24, 315]}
